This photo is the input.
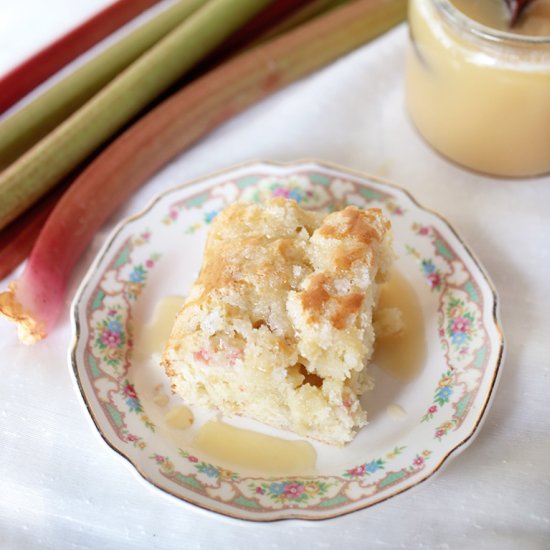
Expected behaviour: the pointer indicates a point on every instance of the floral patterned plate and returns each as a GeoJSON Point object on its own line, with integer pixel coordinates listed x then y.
{"type": "Point", "coordinates": [158, 252]}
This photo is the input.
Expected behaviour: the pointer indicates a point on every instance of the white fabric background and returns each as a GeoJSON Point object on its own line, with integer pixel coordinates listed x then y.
{"type": "Point", "coordinates": [62, 487]}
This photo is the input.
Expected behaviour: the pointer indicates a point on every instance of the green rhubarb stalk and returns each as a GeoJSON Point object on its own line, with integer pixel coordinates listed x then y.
{"type": "Point", "coordinates": [49, 160]}
{"type": "Point", "coordinates": [36, 69]}
{"type": "Point", "coordinates": [20, 131]}
{"type": "Point", "coordinates": [36, 299]}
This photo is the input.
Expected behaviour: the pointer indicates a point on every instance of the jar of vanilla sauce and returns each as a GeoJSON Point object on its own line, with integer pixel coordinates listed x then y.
{"type": "Point", "coordinates": [477, 89]}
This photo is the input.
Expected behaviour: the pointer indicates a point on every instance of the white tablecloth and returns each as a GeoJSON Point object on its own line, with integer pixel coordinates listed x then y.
{"type": "Point", "coordinates": [62, 487]}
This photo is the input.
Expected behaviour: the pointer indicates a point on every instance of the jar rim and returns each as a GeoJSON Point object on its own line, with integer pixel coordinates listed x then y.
{"type": "Point", "coordinates": [467, 24]}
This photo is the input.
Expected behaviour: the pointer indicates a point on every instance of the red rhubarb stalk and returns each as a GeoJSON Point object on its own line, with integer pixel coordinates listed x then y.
{"type": "Point", "coordinates": [35, 70]}
{"type": "Point", "coordinates": [36, 299]}
{"type": "Point", "coordinates": [19, 237]}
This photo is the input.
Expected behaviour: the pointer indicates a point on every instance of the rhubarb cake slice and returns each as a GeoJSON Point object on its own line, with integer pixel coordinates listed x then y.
{"type": "Point", "coordinates": [278, 325]}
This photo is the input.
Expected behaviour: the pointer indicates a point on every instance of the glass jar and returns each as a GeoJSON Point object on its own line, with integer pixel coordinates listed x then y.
{"type": "Point", "coordinates": [478, 95]}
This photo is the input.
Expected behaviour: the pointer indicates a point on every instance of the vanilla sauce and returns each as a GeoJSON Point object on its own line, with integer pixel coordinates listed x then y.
{"type": "Point", "coordinates": [401, 355]}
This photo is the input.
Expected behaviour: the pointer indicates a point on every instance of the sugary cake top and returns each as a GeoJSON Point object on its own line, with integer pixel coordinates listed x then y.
{"type": "Point", "coordinates": [256, 254]}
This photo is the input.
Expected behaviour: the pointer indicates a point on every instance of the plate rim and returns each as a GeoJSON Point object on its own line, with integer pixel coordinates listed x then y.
{"type": "Point", "coordinates": [284, 514]}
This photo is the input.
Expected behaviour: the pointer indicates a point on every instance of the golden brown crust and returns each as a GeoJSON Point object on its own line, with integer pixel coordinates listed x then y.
{"type": "Point", "coordinates": [315, 296]}
{"type": "Point", "coordinates": [359, 225]}
{"type": "Point", "coordinates": [347, 305]}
